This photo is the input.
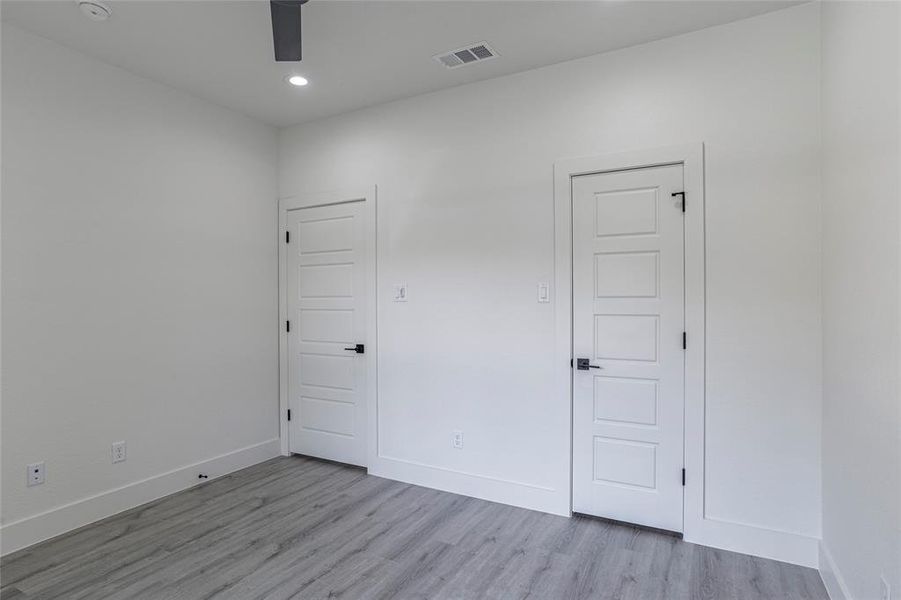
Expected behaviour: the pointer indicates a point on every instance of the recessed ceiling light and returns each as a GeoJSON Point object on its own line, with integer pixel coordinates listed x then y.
{"type": "Point", "coordinates": [296, 80]}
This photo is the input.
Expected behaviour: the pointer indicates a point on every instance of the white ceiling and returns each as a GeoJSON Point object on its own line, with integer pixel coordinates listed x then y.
{"type": "Point", "coordinates": [356, 53]}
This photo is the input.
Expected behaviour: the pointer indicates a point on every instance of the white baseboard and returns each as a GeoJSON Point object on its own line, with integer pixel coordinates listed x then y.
{"type": "Point", "coordinates": [493, 489]}
{"type": "Point", "coordinates": [42, 526]}
{"type": "Point", "coordinates": [736, 537]}
{"type": "Point", "coordinates": [784, 546]}
{"type": "Point", "coordinates": [832, 577]}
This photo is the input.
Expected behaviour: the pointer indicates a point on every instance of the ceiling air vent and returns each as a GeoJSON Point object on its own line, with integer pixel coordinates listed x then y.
{"type": "Point", "coordinates": [466, 55]}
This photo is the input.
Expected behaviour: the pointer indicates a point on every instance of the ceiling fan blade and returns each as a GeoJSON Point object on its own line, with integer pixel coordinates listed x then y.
{"type": "Point", "coordinates": [286, 29]}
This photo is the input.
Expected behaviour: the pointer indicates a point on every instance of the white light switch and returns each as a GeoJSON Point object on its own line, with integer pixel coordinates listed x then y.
{"type": "Point", "coordinates": [400, 292]}
{"type": "Point", "coordinates": [544, 292]}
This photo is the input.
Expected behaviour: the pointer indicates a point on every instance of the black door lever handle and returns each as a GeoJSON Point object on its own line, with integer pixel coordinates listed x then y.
{"type": "Point", "coordinates": [582, 364]}
{"type": "Point", "coordinates": [359, 349]}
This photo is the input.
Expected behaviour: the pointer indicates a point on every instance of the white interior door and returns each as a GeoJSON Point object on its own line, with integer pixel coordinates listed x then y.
{"type": "Point", "coordinates": [628, 322]}
{"type": "Point", "coordinates": [326, 299]}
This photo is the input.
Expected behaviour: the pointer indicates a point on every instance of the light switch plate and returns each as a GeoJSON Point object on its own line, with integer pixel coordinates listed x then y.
{"type": "Point", "coordinates": [400, 292]}
{"type": "Point", "coordinates": [544, 292]}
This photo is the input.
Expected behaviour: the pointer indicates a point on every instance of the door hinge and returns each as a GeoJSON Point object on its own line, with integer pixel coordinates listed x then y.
{"type": "Point", "coordinates": [287, 237]}
{"type": "Point", "coordinates": [684, 340]}
{"type": "Point", "coordinates": [289, 418]}
{"type": "Point", "coordinates": [570, 363]}
{"type": "Point", "coordinates": [683, 476]}
{"type": "Point", "coordinates": [288, 326]}
{"type": "Point", "coordinates": [674, 194]}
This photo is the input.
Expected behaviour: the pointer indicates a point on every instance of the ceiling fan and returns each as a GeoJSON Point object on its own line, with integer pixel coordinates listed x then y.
{"type": "Point", "coordinates": [286, 29]}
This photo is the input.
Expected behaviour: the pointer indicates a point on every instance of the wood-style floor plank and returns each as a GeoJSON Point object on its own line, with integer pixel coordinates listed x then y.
{"type": "Point", "coordinates": [299, 528]}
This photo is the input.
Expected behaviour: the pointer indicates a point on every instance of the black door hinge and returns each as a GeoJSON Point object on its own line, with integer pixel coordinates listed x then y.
{"type": "Point", "coordinates": [287, 237]}
{"type": "Point", "coordinates": [570, 363]}
{"type": "Point", "coordinates": [684, 340]}
{"type": "Point", "coordinates": [289, 418]}
{"type": "Point", "coordinates": [674, 194]}
{"type": "Point", "coordinates": [288, 326]}
{"type": "Point", "coordinates": [683, 476]}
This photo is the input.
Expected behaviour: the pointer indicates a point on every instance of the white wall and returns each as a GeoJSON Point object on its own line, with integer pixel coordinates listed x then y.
{"type": "Point", "coordinates": [466, 220]}
{"type": "Point", "coordinates": [861, 450]}
{"type": "Point", "coordinates": [139, 288]}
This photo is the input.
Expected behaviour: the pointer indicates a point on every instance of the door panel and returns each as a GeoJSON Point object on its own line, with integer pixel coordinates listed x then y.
{"type": "Point", "coordinates": [628, 319]}
{"type": "Point", "coordinates": [625, 337]}
{"type": "Point", "coordinates": [626, 275]}
{"type": "Point", "coordinates": [623, 400]}
{"type": "Point", "coordinates": [326, 307]}
{"type": "Point", "coordinates": [326, 280]}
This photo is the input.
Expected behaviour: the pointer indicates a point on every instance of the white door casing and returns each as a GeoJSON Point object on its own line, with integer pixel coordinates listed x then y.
{"type": "Point", "coordinates": [328, 303]}
{"type": "Point", "coordinates": [628, 319]}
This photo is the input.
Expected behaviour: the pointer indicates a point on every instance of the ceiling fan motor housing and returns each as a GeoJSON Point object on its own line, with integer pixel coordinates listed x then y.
{"type": "Point", "coordinates": [95, 10]}
{"type": "Point", "coordinates": [286, 29]}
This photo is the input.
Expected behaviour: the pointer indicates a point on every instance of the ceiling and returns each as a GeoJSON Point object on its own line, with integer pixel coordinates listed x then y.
{"type": "Point", "coordinates": [356, 53]}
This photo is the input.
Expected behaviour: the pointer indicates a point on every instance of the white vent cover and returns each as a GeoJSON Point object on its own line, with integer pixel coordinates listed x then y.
{"type": "Point", "coordinates": [466, 55]}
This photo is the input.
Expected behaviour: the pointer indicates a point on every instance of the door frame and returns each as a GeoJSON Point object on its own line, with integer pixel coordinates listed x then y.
{"type": "Point", "coordinates": [691, 157]}
{"type": "Point", "coordinates": [366, 194]}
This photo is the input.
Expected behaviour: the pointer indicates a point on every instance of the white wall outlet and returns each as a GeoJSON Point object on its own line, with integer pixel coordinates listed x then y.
{"type": "Point", "coordinates": [35, 473]}
{"type": "Point", "coordinates": [544, 292]}
{"type": "Point", "coordinates": [885, 589]}
{"type": "Point", "coordinates": [117, 452]}
{"type": "Point", "coordinates": [400, 292]}
{"type": "Point", "coordinates": [458, 440]}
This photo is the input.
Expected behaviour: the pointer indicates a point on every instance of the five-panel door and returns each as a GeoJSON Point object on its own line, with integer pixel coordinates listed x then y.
{"type": "Point", "coordinates": [326, 300]}
{"type": "Point", "coordinates": [628, 322]}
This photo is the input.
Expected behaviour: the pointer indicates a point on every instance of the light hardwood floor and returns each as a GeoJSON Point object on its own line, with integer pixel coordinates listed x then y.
{"type": "Point", "coordinates": [307, 529]}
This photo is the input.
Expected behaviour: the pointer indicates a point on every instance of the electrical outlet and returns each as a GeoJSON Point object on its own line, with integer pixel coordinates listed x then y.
{"type": "Point", "coordinates": [117, 452]}
{"type": "Point", "coordinates": [458, 440]}
{"type": "Point", "coordinates": [35, 474]}
{"type": "Point", "coordinates": [885, 589]}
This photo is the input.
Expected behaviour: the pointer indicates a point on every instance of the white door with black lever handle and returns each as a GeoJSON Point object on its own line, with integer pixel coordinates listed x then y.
{"type": "Point", "coordinates": [327, 375]}
{"type": "Point", "coordinates": [628, 367]}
